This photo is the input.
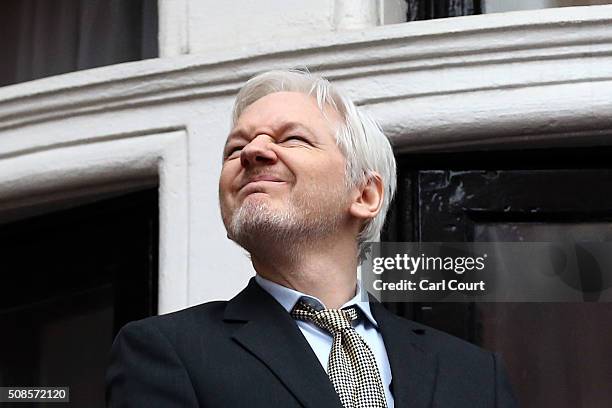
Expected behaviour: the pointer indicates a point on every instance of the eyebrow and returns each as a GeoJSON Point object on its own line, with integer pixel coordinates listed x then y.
{"type": "Point", "coordinates": [286, 127]}
{"type": "Point", "coordinates": [293, 126]}
{"type": "Point", "coordinates": [235, 134]}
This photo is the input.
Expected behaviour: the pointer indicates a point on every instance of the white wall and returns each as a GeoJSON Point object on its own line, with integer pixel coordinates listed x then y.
{"type": "Point", "coordinates": [201, 26]}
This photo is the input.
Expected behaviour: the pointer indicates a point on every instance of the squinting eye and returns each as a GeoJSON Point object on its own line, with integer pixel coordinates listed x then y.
{"type": "Point", "coordinates": [296, 138]}
{"type": "Point", "coordinates": [232, 152]}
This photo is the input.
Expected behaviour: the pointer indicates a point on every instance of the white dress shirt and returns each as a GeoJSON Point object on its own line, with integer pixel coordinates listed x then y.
{"type": "Point", "coordinates": [321, 341]}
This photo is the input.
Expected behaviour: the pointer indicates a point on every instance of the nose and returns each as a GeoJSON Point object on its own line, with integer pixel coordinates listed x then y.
{"type": "Point", "coordinates": [258, 151]}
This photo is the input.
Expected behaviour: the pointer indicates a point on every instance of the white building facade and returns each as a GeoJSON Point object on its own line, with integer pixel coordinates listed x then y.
{"type": "Point", "coordinates": [530, 78]}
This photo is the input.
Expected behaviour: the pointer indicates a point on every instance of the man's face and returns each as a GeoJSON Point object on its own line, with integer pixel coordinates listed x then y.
{"type": "Point", "coordinates": [283, 175]}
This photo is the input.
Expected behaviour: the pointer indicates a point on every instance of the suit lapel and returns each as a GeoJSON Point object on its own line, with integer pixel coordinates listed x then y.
{"type": "Point", "coordinates": [273, 337]}
{"type": "Point", "coordinates": [413, 367]}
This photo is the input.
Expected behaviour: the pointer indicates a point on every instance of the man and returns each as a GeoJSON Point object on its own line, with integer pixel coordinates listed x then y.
{"type": "Point", "coordinates": [306, 181]}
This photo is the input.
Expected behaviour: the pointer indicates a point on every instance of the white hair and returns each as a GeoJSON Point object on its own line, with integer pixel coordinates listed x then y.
{"type": "Point", "coordinates": [366, 149]}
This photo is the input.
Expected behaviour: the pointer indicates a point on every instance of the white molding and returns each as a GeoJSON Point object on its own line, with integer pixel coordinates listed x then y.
{"type": "Point", "coordinates": [431, 65]}
{"type": "Point", "coordinates": [101, 165]}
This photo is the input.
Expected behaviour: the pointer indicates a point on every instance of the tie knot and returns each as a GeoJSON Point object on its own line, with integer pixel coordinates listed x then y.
{"type": "Point", "coordinates": [332, 320]}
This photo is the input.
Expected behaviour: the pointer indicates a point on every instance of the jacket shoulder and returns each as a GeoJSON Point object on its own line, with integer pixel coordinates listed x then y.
{"type": "Point", "coordinates": [205, 316]}
{"type": "Point", "coordinates": [440, 341]}
{"type": "Point", "coordinates": [452, 350]}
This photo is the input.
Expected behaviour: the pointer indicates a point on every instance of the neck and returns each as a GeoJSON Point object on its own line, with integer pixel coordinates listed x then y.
{"type": "Point", "coordinates": [327, 271]}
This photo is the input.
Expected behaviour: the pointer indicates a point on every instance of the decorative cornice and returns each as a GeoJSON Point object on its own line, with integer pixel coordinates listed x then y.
{"type": "Point", "coordinates": [431, 66]}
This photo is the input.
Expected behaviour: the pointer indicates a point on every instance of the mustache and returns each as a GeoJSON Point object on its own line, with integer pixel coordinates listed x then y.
{"type": "Point", "coordinates": [261, 175]}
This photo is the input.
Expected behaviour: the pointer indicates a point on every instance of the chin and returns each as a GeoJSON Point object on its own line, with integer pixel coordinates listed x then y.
{"type": "Point", "coordinates": [258, 215]}
{"type": "Point", "coordinates": [257, 197]}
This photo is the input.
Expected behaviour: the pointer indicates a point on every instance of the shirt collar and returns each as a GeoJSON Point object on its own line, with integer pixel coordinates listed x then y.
{"type": "Point", "coordinates": [288, 297]}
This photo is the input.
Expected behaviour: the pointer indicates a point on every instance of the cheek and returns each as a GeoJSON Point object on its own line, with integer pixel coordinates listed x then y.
{"type": "Point", "coordinates": [329, 177]}
{"type": "Point", "coordinates": [325, 172]}
{"type": "Point", "coordinates": [227, 177]}
{"type": "Point", "coordinates": [336, 171]}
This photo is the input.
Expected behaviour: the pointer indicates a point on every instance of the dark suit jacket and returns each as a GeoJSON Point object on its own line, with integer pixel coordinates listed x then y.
{"type": "Point", "coordinates": [249, 352]}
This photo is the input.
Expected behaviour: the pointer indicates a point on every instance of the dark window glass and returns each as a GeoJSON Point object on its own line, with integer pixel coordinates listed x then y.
{"type": "Point", "coordinates": [39, 38]}
{"type": "Point", "coordinates": [432, 9]}
{"type": "Point", "coordinates": [70, 280]}
{"type": "Point", "coordinates": [557, 354]}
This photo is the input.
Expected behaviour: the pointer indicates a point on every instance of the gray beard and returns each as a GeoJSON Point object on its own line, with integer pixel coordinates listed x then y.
{"type": "Point", "coordinates": [254, 226]}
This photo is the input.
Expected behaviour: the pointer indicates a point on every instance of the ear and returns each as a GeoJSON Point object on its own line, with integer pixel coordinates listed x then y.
{"type": "Point", "coordinates": [368, 198]}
